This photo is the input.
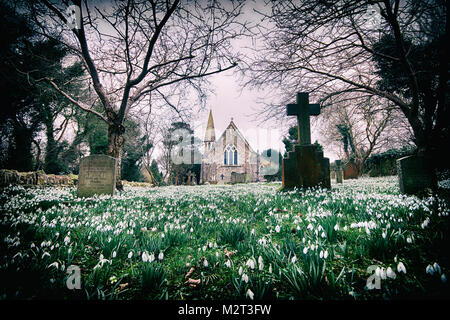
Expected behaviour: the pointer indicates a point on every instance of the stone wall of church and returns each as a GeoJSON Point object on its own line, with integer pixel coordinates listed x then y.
{"type": "Point", "coordinates": [213, 167]}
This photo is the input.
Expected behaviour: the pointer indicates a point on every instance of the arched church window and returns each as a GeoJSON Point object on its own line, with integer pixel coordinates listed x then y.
{"type": "Point", "coordinates": [230, 155]}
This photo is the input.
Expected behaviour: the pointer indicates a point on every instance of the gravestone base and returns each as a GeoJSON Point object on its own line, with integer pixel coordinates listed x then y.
{"type": "Point", "coordinates": [305, 167]}
{"type": "Point", "coordinates": [97, 176]}
{"type": "Point", "coordinates": [414, 176]}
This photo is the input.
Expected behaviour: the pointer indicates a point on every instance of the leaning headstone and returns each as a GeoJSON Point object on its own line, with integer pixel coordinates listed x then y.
{"type": "Point", "coordinates": [97, 175]}
{"type": "Point", "coordinates": [305, 165]}
{"type": "Point", "coordinates": [413, 175]}
{"type": "Point", "coordinates": [338, 171]}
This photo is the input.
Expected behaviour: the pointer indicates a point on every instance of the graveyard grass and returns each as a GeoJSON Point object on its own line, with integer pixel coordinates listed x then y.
{"type": "Point", "coordinates": [246, 241]}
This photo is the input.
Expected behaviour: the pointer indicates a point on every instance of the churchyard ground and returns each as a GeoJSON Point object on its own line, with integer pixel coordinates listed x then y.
{"type": "Point", "coordinates": [360, 240]}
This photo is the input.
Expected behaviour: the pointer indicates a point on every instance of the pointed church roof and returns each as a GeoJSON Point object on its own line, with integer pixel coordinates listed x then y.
{"type": "Point", "coordinates": [210, 135]}
{"type": "Point", "coordinates": [232, 126]}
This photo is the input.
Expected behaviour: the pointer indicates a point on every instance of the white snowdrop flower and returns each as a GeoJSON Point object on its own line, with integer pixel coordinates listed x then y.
{"type": "Point", "coordinates": [401, 267]}
{"type": "Point", "coordinates": [210, 245]}
{"type": "Point", "coordinates": [228, 263]}
{"type": "Point", "coordinates": [390, 273]}
{"type": "Point", "coordinates": [69, 251]}
{"type": "Point", "coordinates": [368, 231]}
{"type": "Point", "coordinates": [437, 268]}
{"type": "Point", "coordinates": [205, 263]}
{"type": "Point", "coordinates": [250, 294]}
{"type": "Point", "coordinates": [204, 248]}
{"type": "Point", "coordinates": [277, 229]}
{"type": "Point", "coordinates": [45, 254]}
{"type": "Point", "coordinates": [383, 235]}
{"type": "Point", "coordinates": [383, 274]}
{"type": "Point", "coordinates": [251, 263]}
{"type": "Point", "coordinates": [305, 250]}
{"type": "Point", "coordinates": [409, 240]}
{"type": "Point", "coordinates": [144, 257]}
{"type": "Point", "coordinates": [163, 235]}
{"type": "Point", "coordinates": [260, 260]}
{"type": "Point", "coordinates": [32, 245]}
{"type": "Point", "coordinates": [443, 278]}
{"type": "Point", "coordinates": [191, 230]}
{"type": "Point", "coordinates": [270, 268]}
{"type": "Point", "coordinates": [323, 235]}
{"type": "Point", "coordinates": [345, 228]}
{"type": "Point", "coordinates": [54, 264]}
{"type": "Point", "coordinates": [114, 254]}
{"type": "Point", "coordinates": [245, 278]}
{"type": "Point", "coordinates": [425, 223]}
{"type": "Point", "coordinates": [294, 259]}
{"type": "Point", "coordinates": [325, 254]}
{"type": "Point", "coordinates": [66, 240]}
{"type": "Point", "coordinates": [240, 270]}
{"type": "Point", "coordinates": [321, 254]}
{"type": "Point", "coordinates": [429, 269]}
{"type": "Point", "coordinates": [252, 232]}
{"type": "Point", "coordinates": [310, 226]}
{"type": "Point", "coordinates": [130, 254]}
{"type": "Point", "coordinates": [378, 272]}
{"type": "Point", "coordinates": [312, 247]}
{"type": "Point", "coordinates": [336, 227]}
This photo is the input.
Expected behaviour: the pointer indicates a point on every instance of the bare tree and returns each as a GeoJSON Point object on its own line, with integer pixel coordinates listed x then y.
{"type": "Point", "coordinates": [133, 48]}
{"type": "Point", "coordinates": [393, 49]}
{"type": "Point", "coordinates": [367, 125]}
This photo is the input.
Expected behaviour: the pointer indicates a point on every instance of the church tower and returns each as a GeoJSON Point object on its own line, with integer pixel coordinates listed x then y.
{"type": "Point", "coordinates": [210, 136]}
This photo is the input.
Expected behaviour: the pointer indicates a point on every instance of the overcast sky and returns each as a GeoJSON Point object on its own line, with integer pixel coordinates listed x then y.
{"type": "Point", "coordinates": [232, 101]}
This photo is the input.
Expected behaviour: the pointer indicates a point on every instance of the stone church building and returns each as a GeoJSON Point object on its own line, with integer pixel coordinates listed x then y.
{"type": "Point", "coordinates": [230, 158]}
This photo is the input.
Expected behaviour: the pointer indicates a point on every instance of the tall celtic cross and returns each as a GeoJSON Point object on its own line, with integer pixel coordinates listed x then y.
{"type": "Point", "coordinates": [303, 109]}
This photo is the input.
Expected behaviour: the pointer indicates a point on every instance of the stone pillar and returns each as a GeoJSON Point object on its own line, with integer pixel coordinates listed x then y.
{"type": "Point", "coordinates": [339, 173]}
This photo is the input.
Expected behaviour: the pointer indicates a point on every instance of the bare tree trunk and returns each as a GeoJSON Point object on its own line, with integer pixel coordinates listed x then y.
{"type": "Point", "coordinates": [115, 148]}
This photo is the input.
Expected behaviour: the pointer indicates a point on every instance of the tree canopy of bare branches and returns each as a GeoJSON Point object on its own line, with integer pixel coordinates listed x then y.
{"type": "Point", "coordinates": [133, 48]}
{"type": "Point", "coordinates": [395, 50]}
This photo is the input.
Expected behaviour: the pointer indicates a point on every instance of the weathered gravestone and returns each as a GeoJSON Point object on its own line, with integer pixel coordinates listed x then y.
{"type": "Point", "coordinates": [237, 177]}
{"type": "Point", "coordinates": [97, 175]}
{"type": "Point", "coordinates": [414, 176]}
{"type": "Point", "coordinates": [305, 165]}
{"type": "Point", "coordinates": [191, 180]}
{"type": "Point", "coordinates": [350, 171]}
{"type": "Point", "coordinates": [338, 171]}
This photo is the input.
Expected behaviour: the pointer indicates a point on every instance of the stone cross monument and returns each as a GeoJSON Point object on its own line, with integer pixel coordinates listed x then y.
{"type": "Point", "coordinates": [302, 109]}
{"type": "Point", "coordinates": [305, 165]}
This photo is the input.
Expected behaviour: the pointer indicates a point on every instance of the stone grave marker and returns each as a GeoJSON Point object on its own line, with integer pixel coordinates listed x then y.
{"type": "Point", "coordinates": [191, 180]}
{"type": "Point", "coordinates": [97, 175]}
{"type": "Point", "coordinates": [350, 171]}
{"type": "Point", "coordinates": [413, 175]}
{"type": "Point", "coordinates": [305, 165]}
{"type": "Point", "coordinates": [339, 172]}
{"type": "Point", "coordinates": [237, 177]}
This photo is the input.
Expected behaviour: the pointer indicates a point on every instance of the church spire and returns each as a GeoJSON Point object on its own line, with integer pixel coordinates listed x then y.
{"type": "Point", "coordinates": [210, 135]}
